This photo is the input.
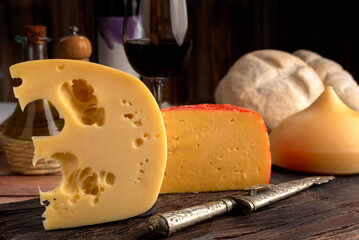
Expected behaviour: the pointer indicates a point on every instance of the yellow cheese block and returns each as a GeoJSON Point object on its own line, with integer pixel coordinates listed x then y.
{"type": "Point", "coordinates": [323, 138]}
{"type": "Point", "coordinates": [215, 148]}
{"type": "Point", "coordinates": [112, 148]}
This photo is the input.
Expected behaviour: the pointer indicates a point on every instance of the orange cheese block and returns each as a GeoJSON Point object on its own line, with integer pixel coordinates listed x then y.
{"type": "Point", "coordinates": [214, 147]}
{"type": "Point", "coordinates": [320, 139]}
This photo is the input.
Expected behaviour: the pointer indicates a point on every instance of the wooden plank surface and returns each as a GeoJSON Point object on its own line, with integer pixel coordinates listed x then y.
{"type": "Point", "coordinates": [10, 199]}
{"type": "Point", "coordinates": [329, 211]}
{"type": "Point", "coordinates": [27, 185]}
{"type": "Point", "coordinates": [15, 188]}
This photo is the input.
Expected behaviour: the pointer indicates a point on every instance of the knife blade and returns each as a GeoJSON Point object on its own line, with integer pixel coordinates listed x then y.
{"type": "Point", "coordinates": [253, 198]}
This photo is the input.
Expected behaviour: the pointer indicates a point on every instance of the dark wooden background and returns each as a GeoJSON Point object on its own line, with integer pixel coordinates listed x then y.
{"type": "Point", "coordinates": [223, 30]}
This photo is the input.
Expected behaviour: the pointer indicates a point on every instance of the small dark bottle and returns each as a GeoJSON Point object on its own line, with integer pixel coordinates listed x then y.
{"type": "Point", "coordinates": [39, 118]}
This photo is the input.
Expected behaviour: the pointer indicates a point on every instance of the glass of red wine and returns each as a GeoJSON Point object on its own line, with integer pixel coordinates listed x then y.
{"type": "Point", "coordinates": [157, 39]}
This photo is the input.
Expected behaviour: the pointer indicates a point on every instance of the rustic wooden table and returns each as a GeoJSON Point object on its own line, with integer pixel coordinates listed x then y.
{"type": "Point", "coordinates": [329, 211]}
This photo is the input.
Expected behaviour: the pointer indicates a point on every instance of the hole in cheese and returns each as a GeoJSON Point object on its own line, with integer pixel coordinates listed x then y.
{"type": "Point", "coordinates": [82, 91]}
{"type": "Point", "coordinates": [89, 185]}
{"type": "Point", "coordinates": [85, 172]}
{"type": "Point", "coordinates": [128, 115]}
{"type": "Point", "coordinates": [91, 111]}
{"type": "Point", "coordinates": [138, 142]}
{"type": "Point", "coordinates": [125, 102]}
{"type": "Point", "coordinates": [87, 181]}
{"type": "Point", "coordinates": [81, 97]}
{"type": "Point", "coordinates": [16, 82]}
{"type": "Point", "coordinates": [95, 190]}
{"type": "Point", "coordinates": [70, 185]}
{"type": "Point", "coordinates": [110, 178]}
{"type": "Point", "coordinates": [60, 67]}
{"type": "Point", "coordinates": [137, 123]}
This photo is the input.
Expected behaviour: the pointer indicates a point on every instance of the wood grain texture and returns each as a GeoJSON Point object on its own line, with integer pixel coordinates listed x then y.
{"type": "Point", "coordinates": [56, 15]}
{"type": "Point", "coordinates": [15, 188]}
{"type": "Point", "coordinates": [329, 211]}
{"type": "Point", "coordinates": [27, 185]}
{"type": "Point", "coordinates": [12, 199]}
{"type": "Point", "coordinates": [223, 31]}
{"type": "Point", "coordinates": [4, 166]}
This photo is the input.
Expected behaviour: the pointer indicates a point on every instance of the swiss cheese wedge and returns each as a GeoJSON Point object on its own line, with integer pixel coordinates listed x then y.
{"type": "Point", "coordinates": [214, 147]}
{"type": "Point", "coordinates": [112, 148]}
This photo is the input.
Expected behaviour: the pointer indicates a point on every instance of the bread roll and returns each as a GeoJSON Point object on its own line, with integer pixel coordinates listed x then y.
{"type": "Point", "coordinates": [273, 83]}
{"type": "Point", "coordinates": [333, 74]}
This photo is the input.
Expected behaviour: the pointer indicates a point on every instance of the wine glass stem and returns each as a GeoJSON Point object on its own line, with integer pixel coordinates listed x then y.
{"type": "Point", "coordinates": [157, 85]}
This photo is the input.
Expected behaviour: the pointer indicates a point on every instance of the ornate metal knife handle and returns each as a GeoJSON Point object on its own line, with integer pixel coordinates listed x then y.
{"type": "Point", "coordinates": [168, 223]}
{"type": "Point", "coordinates": [257, 196]}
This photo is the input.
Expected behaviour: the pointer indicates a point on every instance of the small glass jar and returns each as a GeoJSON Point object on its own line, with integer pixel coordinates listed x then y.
{"type": "Point", "coordinates": [39, 118]}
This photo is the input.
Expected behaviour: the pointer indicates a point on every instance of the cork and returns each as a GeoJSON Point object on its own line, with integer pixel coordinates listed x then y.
{"type": "Point", "coordinates": [35, 33]}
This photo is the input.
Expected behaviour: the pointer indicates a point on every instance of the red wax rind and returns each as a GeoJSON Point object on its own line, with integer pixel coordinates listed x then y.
{"type": "Point", "coordinates": [214, 107]}
{"type": "Point", "coordinates": [218, 107]}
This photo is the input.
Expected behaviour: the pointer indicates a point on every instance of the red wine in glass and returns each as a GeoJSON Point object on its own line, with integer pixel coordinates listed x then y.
{"type": "Point", "coordinates": [157, 39]}
{"type": "Point", "coordinates": [163, 60]}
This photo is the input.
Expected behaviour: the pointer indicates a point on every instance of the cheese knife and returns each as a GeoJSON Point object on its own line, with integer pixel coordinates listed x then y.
{"type": "Point", "coordinates": [254, 197]}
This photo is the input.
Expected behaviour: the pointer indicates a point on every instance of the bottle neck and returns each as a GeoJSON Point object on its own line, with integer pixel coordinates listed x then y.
{"type": "Point", "coordinates": [35, 51]}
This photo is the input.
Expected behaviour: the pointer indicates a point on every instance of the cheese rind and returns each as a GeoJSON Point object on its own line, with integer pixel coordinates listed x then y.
{"type": "Point", "coordinates": [113, 145]}
{"type": "Point", "coordinates": [320, 139]}
{"type": "Point", "coordinates": [214, 147]}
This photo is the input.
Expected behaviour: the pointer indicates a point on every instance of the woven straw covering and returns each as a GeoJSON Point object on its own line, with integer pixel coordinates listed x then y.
{"type": "Point", "coordinates": [19, 155]}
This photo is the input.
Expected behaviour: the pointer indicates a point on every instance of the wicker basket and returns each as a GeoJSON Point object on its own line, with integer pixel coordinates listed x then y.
{"type": "Point", "coordinates": [19, 155]}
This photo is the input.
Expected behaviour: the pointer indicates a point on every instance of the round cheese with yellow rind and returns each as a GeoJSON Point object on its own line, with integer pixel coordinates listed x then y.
{"type": "Point", "coordinates": [320, 139]}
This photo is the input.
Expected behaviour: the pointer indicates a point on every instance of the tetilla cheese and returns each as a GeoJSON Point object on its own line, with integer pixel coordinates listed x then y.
{"type": "Point", "coordinates": [214, 148]}
{"type": "Point", "coordinates": [112, 148]}
{"type": "Point", "coordinates": [320, 139]}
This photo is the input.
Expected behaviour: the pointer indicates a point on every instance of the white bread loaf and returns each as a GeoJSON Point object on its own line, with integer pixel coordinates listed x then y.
{"type": "Point", "coordinates": [273, 83]}
{"type": "Point", "coordinates": [333, 74]}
